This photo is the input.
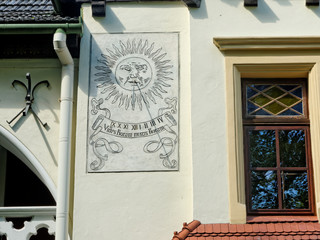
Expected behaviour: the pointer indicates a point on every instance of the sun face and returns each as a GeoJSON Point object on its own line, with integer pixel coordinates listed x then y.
{"type": "Point", "coordinates": [133, 74]}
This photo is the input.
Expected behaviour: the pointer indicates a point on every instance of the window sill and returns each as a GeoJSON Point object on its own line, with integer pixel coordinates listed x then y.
{"type": "Point", "coordinates": [279, 219]}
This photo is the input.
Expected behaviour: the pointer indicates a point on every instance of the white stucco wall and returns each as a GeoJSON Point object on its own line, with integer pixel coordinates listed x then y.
{"type": "Point", "coordinates": [227, 18]}
{"type": "Point", "coordinates": [133, 205]}
{"type": "Point", "coordinates": [41, 142]}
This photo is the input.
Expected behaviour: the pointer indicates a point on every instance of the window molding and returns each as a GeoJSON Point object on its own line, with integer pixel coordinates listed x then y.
{"type": "Point", "coordinates": [266, 64]}
{"type": "Point", "coordinates": [267, 43]}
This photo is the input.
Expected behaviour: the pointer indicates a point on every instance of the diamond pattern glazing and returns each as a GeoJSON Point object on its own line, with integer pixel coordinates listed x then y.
{"type": "Point", "coordinates": [274, 100]}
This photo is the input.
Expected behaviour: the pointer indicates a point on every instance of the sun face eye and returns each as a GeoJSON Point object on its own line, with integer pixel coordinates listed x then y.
{"type": "Point", "coordinates": [126, 68]}
{"type": "Point", "coordinates": [141, 67]}
{"type": "Point", "coordinates": [144, 68]}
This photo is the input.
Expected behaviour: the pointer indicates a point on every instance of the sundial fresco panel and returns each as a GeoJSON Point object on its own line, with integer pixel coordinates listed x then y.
{"type": "Point", "coordinates": [133, 108]}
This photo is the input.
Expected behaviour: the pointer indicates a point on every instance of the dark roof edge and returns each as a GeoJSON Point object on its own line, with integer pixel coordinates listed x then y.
{"type": "Point", "coordinates": [66, 7]}
{"type": "Point", "coordinates": [57, 6]}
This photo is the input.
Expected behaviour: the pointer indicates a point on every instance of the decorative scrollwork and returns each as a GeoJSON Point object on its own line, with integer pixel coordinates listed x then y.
{"type": "Point", "coordinates": [101, 142]}
{"type": "Point", "coordinates": [112, 147]}
{"type": "Point", "coordinates": [168, 145]}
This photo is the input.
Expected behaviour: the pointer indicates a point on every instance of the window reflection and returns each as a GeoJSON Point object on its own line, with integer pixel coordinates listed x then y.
{"type": "Point", "coordinates": [292, 148]}
{"type": "Point", "coordinates": [295, 190]}
{"type": "Point", "coordinates": [262, 148]}
{"type": "Point", "coordinates": [264, 194]}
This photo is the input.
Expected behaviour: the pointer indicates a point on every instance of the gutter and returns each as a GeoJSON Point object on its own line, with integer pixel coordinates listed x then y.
{"type": "Point", "coordinates": [64, 158]}
{"type": "Point", "coordinates": [41, 28]}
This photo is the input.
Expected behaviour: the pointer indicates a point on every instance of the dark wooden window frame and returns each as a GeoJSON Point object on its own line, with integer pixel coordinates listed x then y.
{"type": "Point", "coordinates": [278, 123]}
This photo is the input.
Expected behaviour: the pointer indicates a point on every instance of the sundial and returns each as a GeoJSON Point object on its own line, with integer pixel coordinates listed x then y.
{"type": "Point", "coordinates": [133, 111]}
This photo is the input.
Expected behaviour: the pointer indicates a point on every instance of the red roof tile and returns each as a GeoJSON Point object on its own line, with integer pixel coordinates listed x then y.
{"type": "Point", "coordinates": [224, 227]}
{"type": "Point", "coordinates": [208, 228]}
{"type": "Point", "coordinates": [278, 227]}
{"type": "Point", "coordinates": [216, 228]}
{"type": "Point", "coordinates": [255, 228]}
{"type": "Point", "coordinates": [260, 228]}
{"type": "Point", "coordinates": [186, 230]}
{"type": "Point", "coordinates": [271, 227]}
{"type": "Point", "coordinates": [248, 228]}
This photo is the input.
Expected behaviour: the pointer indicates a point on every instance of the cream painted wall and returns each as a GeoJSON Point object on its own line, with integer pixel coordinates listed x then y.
{"type": "Point", "coordinates": [42, 142]}
{"type": "Point", "coordinates": [134, 205]}
{"type": "Point", "coordinates": [154, 204]}
{"type": "Point", "coordinates": [227, 18]}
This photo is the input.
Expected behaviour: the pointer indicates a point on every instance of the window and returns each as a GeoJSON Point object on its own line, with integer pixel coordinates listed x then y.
{"type": "Point", "coordinates": [277, 146]}
{"type": "Point", "coordinates": [24, 190]}
{"type": "Point", "coordinates": [266, 57]}
{"type": "Point", "coordinates": [27, 208]}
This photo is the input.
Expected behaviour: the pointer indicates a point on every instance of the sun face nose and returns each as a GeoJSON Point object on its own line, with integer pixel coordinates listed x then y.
{"type": "Point", "coordinates": [134, 73]}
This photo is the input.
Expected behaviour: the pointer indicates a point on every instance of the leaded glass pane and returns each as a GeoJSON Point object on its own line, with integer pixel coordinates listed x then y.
{"type": "Point", "coordinates": [288, 100]}
{"type": "Point", "coordinates": [288, 113]}
{"type": "Point", "coordinates": [262, 148]}
{"type": "Point", "coordinates": [264, 193]}
{"type": "Point", "coordinates": [288, 87]}
{"type": "Point", "coordinates": [260, 100]}
{"type": "Point", "coordinates": [274, 100]}
{"type": "Point", "coordinates": [298, 107]}
{"type": "Point", "coordinates": [274, 108]}
{"type": "Point", "coordinates": [274, 92]}
{"type": "Point", "coordinates": [298, 92]}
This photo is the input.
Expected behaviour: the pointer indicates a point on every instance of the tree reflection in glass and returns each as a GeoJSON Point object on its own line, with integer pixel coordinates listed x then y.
{"type": "Point", "coordinates": [295, 189]}
{"type": "Point", "coordinates": [262, 148]}
{"type": "Point", "coordinates": [264, 193]}
{"type": "Point", "coordinates": [292, 148]}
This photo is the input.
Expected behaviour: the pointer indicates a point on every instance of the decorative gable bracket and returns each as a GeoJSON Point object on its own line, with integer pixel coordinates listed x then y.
{"type": "Point", "coordinates": [192, 3]}
{"type": "Point", "coordinates": [312, 2]}
{"type": "Point", "coordinates": [99, 6]}
{"type": "Point", "coordinates": [250, 3]}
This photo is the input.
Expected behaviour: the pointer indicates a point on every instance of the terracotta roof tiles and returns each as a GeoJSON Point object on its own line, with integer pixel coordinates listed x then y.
{"type": "Point", "coordinates": [257, 228]}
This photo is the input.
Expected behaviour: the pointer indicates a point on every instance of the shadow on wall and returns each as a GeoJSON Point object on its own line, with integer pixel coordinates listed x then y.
{"type": "Point", "coordinates": [284, 2]}
{"type": "Point", "coordinates": [236, 3]}
{"type": "Point", "coordinates": [315, 10]}
{"type": "Point", "coordinates": [200, 13]}
{"type": "Point", "coordinates": [113, 24]}
{"type": "Point", "coordinates": [263, 12]}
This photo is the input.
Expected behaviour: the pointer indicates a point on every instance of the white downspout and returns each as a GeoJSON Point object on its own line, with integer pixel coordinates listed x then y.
{"type": "Point", "coordinates": [67, 72]}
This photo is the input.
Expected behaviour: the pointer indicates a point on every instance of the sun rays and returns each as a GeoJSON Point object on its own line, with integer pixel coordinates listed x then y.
{"type": "Point", "coordinates": [134, 74]}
